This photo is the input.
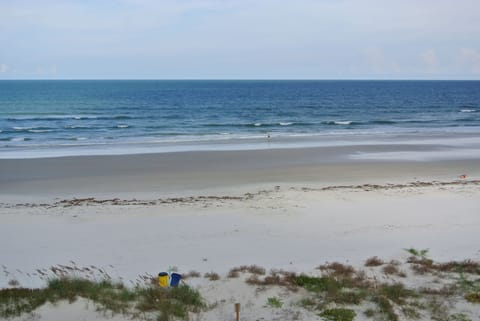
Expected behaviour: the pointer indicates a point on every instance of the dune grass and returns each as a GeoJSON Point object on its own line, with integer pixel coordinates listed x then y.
{"type": "Point", "coordinates": [159, 303]}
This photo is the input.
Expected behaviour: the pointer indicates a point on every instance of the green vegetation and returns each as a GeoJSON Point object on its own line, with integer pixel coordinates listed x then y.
{"type": "Point", "coordinates": [165, 303]}
{"type": "Point", "coordinates": [274, 302]}
{"type": "Point", "coordinates": [418, 253]}
{"type": "Point", "coordinates": [459, 317]}
{"type": "Point", "coordinates": [473, 297]}
{"type": "Point", "coordinates": [338, 314]}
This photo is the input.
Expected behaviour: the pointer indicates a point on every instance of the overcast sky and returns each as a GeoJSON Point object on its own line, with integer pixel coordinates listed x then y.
{"type": "Point", "coordinates": [238, 39]}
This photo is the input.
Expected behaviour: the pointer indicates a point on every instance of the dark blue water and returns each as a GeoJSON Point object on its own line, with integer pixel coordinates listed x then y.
{"type": "Point", "coordinates": [48, 114]}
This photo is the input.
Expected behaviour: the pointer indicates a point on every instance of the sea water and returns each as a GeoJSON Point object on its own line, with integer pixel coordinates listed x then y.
{"type": "Point", "coordinates": [70, 117]}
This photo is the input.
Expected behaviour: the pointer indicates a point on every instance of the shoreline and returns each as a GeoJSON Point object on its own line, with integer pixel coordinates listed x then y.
{"type": "Point", "coordinates": [449, 140]}
{"type": "Point", "coordinates": [216, 172]}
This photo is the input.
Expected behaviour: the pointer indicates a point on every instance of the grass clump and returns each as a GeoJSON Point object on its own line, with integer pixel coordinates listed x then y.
{"type": "Point", "coordinates": [392, 269]}
{"type": "Point", "coordinates": [385, 307]}
{"type": "Point", "coordinates": [318, 284]}
{"type": "Point", "coordinates": [191, 274]}
{"type": "Point", "coordinates": [275, 278]}
{"type": "Point", "coordinates": [274, 302]}
{"type": "Point", "coordinates": [253, 269]}
{"type": "Point", "coordinates": [473, 297]}
{"type": "Point", "coordinates": [397, 292]}
{"type": "Point", "coordinates": [338, 314]}
{"type": "Point", "coordinates": [337, 269]}
{"type": "Point", "coordinates": [212, 276]}
{"type": "Point", "coordinates": [14, 302]}
{"type": "Point", "coordinates": [374, 261]}
{"type": "Point", "coordinates": [169, 302]}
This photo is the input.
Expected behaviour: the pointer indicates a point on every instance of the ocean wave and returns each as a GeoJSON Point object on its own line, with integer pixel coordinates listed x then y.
{"type": "Point", "coordinates": [339, 122]}
{"type": "Point", "coordinates": [122, 126]}
{"type": "Point", "coordinates": [40, 130]}
{"type": "Point", "coordinates": [20, 139]}
{"type": "Point", "coordinates": [259, 124]}
{"type": "Point", "coordinates": [32, 129]}
{"type": "Point", "coordinates": [76, 127]}
{"type": "Point", "coordinates": [67, 117]}
{"type": "Point", "coordinates": [468, 110]}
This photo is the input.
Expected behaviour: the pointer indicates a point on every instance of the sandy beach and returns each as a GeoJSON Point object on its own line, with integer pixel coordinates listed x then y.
{"type": "Point", "coordinates": [290, 209]}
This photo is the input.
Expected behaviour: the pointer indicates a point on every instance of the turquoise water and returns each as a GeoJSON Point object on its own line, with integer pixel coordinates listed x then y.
{"type": "Point", "coordinates": [98, 116]}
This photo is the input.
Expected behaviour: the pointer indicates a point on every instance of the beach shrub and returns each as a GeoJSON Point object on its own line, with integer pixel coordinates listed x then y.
{"type": "Point", "coordinates": [397, 292]}
{"type": "Point", "coordinates": [473, 297]}
{"type": "Point", "coordinates": [318, 284]}
{"type": "Point", "coordinates": [374, 261]}
{"type": "Point", "coordinates": [338, 314]}
{"type": "Point", "coordinates": [385, 307]}
{"type": "Point", "coordinates": [337, 269]}
{"type": "Point", "coordinates": [459, 317]}
{"type": "Point", "coordinates": [253, 269]}
{"type": "Point", "coordinates": [274, 302]}
{"type": "Point", "coordinates": [212, 276]}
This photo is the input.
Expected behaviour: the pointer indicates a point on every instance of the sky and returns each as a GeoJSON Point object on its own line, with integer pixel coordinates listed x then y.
{"type": "Point", "coordinates": [239, 39]}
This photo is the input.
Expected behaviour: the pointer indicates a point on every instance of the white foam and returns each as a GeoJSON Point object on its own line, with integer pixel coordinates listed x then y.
{"type": "Point", "coordinates": [40, 130]}
{"type": "Point", "coordinates": [468, 110]}
{"type": "Point", "coordinates": [122, 126]}
{"type": "Point", "coordinates": [347, 122]}
{"type": "Point", "coordinates": [286, 124]}
{"type": "Point", "coordinates": [257, 124]}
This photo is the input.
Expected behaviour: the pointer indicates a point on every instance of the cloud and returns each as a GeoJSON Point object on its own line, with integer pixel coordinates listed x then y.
{"type": "Point", "coordinates": [379, 62]}
{"type": "Point", "coordinates": [430, 59]}
{"type": "Point", "coordinates": [3, 68]}
{"type": "Point", "coordinates": [471, 58]}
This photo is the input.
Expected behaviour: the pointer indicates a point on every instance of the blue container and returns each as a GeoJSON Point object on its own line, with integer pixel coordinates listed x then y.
{"type": "Point", "coordinates": [175, 279]}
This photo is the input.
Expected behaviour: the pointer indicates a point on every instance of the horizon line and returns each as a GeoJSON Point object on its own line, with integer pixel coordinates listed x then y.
{"type": "Point", "coordinates": [244, 79]}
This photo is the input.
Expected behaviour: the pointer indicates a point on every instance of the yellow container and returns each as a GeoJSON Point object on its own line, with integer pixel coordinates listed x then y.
{"type": "Point", "coordinates": [163, 279]}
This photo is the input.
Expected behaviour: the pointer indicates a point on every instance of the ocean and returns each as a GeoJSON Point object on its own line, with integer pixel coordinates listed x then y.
{"type": "Point", "coordinates": [84, 117]}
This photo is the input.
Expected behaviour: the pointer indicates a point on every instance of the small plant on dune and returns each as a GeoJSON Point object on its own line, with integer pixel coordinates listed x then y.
{"type": "Point", "coordinates": [338, 314]}
{"type": "Point", "coordinates": [418, 253]}
{"type": "Point", "coordinates": [385, 307]}
{"type": "Point", "coordinates": [169, 302]}
{"type": "Point", "coordinates": [459, 317]}
{"type": "Point", "coordinates": [253, 269]}
{"type": "Point", "coordinates": [391, 269]}
{"type": "Point", "coordinates": [191, 274]}
{"type": "Point", "coordinates": [276, 277]}
{"type": "Point", "coordinates": [233, 274]}
{"type": "Point", "coordinates": [274, 302]}
{"type": "Point", "coordinates": [337, 269]}
{"type": "Point", "coordinates": [473, 297]}
{"type": "Point", "coordinates": [317, 284]}
{"type": "Point", "coordinates": [212, 276]}
{"type": "Point", "coordinates": [374, 261]}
